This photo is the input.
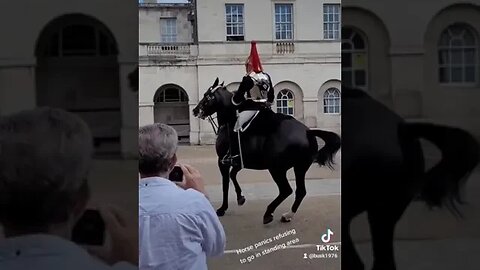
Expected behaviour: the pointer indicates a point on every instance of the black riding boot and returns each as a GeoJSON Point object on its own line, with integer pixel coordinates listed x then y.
{"type": "Point", "coordinates": [232, 157]}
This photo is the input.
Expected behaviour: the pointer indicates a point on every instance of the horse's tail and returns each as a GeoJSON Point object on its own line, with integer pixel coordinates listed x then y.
{"type": "Point", "coordinates": [460, 155]}
{"type": "Point", "coordinates": [325, 156]}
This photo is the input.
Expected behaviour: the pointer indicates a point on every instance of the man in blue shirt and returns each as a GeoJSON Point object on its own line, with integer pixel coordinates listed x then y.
{"type": "Point", "coordinates": [178, 227]}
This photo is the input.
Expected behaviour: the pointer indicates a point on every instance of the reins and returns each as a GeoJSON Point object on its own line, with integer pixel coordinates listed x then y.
{"type": "Point", "coordinates": [213, 123]}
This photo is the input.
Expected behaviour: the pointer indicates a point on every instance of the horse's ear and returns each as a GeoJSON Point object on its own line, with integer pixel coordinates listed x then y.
{"type": "Point", "coordinates": [215, 83]}
{"type": "Point", "coordinates": [222, 83]}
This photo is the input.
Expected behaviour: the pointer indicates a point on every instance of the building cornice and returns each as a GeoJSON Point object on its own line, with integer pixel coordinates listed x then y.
{"type": "Point", "coordinates": [406, 51]}
{"type": "Point", "coordinates": [228, 60]}
{"type": "Point", "coordinates": [18, 62]}
{"type": "Point", "coordinates": [205, 42]}
{"type": "Point", "coordinates": [164, 5]}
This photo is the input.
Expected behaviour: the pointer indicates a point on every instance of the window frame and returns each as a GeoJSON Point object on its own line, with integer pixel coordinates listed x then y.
{"type": "Point", "coordinates": [450, 48]}
{"type": "Point", "coordinates": [327, 97]}
{"type": "Point", "coordinates": [354, 51]}
{"type": "Point", "coordinates": [235, 25]}
{"type": "Point", "coordinates": [281, 96]}
{"type": "Point", "coordinates": [165, 26]}
{"type": "Point", "coordinates": [326, 9]}
{"type": "Point", "coordinates": [291, 23]}
{"type": "Point", "coordinates": [161, 96]}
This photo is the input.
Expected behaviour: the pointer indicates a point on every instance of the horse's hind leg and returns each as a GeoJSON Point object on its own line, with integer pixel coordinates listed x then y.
{"type": "Point", "coordinates": [280, 178]}
{"type": "Point", "coordinates": [238, 190]}
{"type": "Point", "coordinates": [300, 193]}
{"type": "Point", "coordinates": [350, 258]}
{"type": "Point", "coordinates": [382, 227]}
{"type": "Point", "coordinates": [224, 169]}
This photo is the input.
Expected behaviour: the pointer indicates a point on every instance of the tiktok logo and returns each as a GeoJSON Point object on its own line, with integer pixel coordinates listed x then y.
{"type": "Point", "coordinates": [327, 236]}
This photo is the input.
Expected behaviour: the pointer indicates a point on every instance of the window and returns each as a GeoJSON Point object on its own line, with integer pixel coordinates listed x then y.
{"type": "Point", "coordinates": [284, 21]}
{"type": "Point", "coordinates": [234, 21]}
{"type": "Point", "coordinates": [171, 95]}
{"type": "Point", "coordinates": [354, 59]}
{"type": "Point", "coordinates": [457, 55]}
{"type": "Point", "coordinates": [79, 40]}
{"type": "Point", "coordinates": [285, 102]}
{"type": "Point", "coordinates": [331, 101]}
{"type": "Point", "coordinates": [331, 21]}
{"type": "Point", "coordinates": [169, 30]}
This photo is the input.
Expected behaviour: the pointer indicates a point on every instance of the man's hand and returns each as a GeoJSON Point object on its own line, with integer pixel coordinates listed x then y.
{"type": "Point", "coordinates": [192, 179]}
{"type": "Point", "coordinates": [123, 232]}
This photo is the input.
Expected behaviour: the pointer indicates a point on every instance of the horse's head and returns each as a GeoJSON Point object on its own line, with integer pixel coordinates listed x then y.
{"type": "Point", "coordinates": [213, 100]}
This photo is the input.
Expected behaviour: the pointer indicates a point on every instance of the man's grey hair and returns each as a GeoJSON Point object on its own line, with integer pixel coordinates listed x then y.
{"type": "Point", "coordinates": [45, 156]}
{"type": "Point", "coordinates": [157, 144]}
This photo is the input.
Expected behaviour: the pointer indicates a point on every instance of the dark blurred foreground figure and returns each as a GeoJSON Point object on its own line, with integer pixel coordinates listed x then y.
{"type": "Point", "coordinates": [383, 170]}
{"type": "Point", "coordinates": [45, 157]}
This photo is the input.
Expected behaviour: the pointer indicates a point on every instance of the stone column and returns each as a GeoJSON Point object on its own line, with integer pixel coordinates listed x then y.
{"type": "Point", "coordinates": [407, 79]}
{"type": "Point", "coordinates": [17, 85]}
{"type": "Point", "coordinates": [310, 111]}
{"type": "Point", "coordinates": [194, 125]}
{"type": "Point", "coordinates": [129, 111]}
{"type": "Point", "coordinates": [146, 111]}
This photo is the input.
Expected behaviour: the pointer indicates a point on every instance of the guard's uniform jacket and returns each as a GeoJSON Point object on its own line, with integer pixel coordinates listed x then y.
{"type": "Point", "coordinates": [254, 91]}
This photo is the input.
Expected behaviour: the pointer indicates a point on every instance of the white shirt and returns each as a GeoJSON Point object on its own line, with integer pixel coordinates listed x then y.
{"type": "Point", "coordinates": [178, 228]}
{"type": "Point", "coordinates": [49, 252]}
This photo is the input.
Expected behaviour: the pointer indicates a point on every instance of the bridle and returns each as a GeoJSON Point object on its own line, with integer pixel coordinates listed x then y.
{"type": "Point", "coordinates": [210, 118]}
{"type": "Point", "coordinates": [212, 122]}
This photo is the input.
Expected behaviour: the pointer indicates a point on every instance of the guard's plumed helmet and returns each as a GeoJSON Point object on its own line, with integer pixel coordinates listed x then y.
{"type": "Point", "coordinates": [253, 61]}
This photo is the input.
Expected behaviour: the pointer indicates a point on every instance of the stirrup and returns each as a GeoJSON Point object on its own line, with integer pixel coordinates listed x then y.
{"type": "Point", "coordinates": [229, 160]}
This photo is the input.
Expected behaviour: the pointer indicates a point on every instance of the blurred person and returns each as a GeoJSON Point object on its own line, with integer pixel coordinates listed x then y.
{"type": "Point", "coordinates": [178, 226]}
{"type": "Point", "coordinates": [45, 157]}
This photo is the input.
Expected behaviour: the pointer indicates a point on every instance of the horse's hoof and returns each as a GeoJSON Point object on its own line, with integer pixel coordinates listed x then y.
{"type": "Point", "coordinates": [267, 219]}
{"type": "Point", "coordinates": [220, 212]}
{"type": "Point", "coordinates": [241, 200]}
{"type": "Point", "coordinates": [287, 217]}
{"type": "Point", "coordinates": [285, 220]}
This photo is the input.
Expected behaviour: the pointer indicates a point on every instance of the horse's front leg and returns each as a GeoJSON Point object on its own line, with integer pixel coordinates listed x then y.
{"type": "Point", "coordinates": [238, 190]}
{"type": "Point", "coordinates": [224, 169]}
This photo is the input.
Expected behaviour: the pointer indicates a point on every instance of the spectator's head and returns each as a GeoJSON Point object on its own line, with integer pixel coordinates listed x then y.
{"type": "Point", "coordinates": [45, 155]}
{"type": "Point", "coordinates": [157, 146]}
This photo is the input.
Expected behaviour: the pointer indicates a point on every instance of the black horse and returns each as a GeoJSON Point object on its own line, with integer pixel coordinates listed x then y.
{"type": "Point", "coordinates": [274, 142]}
{"type": "Point", "coordinates": [383, 170]}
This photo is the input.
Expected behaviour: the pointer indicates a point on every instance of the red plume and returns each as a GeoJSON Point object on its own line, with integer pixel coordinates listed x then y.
{"type": "Point", "coordinates": [254, 59]}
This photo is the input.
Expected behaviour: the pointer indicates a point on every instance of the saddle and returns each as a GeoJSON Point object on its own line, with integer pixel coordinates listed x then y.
{"type": "Point", "coordinates": [261, 107]}
{"type": "Point", "coordinates": [264, 122]}
{"type": "Point", "coordinates": [247, 124]}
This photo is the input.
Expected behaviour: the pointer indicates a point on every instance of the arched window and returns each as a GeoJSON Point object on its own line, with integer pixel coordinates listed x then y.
{"type": "Point", "coordinates": [354, 59]}
{"type": "Point", "coordinates": [82, 36]}
{"type": "Point", "coordinates": [331, 101]}
{"type": "Point", "coordinates": [285, 102]}
{"type": "Point", "coordinates": [457, 55]}
{"type": "Point", "coordinates": [171, 95]}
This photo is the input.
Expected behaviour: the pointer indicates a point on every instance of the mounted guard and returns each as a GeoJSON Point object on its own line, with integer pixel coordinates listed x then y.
{"type": "Point", "coordinates": [254, 94]}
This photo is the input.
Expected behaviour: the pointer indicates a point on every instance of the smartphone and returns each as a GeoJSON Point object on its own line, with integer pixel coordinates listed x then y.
{"type": "Point", "coordinates": [90, 229]}
{"type": "Point", "coordinates": [176, 175]}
